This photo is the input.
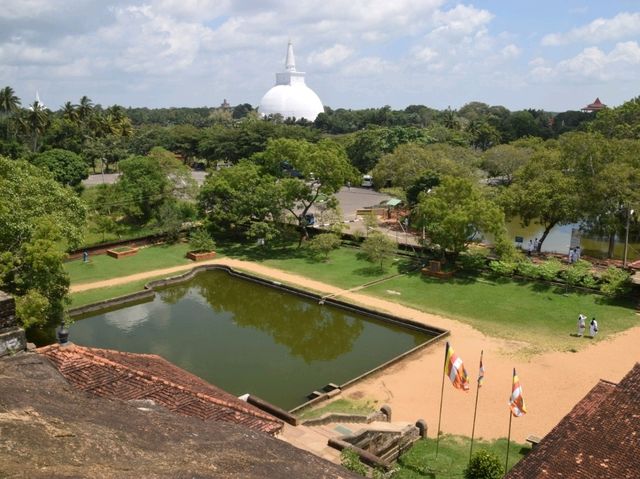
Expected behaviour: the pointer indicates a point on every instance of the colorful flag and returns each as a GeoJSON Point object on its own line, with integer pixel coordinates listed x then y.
{"type": "Point", "coordinates": [516, 401]}
{"type": "Point", "coordinates": [454, 368]}
{"type": "Point", "coordinates": [481, 371]}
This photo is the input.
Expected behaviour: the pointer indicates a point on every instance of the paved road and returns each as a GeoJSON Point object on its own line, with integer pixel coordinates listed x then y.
{"type": "Point", "coordinates": [351, 199]}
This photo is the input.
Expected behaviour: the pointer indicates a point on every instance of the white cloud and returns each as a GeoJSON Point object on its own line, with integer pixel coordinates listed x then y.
{"type": "Point", "coordinates": [510, 51]}
{"type": "Point", "coordinates": [623, 25]}
{"type": "Point", "coordinates": [367, 66]}
{"type": "Point", "coordinates": [330, 56]}
{"type": "Point", "coordinates": [460, 21]}
{"type": "Point", "coordinates": [592, 63]}
{"type": "Point", "coordinates": [25, 8]}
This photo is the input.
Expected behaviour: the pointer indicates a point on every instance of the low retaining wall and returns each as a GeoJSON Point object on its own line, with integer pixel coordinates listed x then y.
{"type": "Point", "coordinates": [330, 417]}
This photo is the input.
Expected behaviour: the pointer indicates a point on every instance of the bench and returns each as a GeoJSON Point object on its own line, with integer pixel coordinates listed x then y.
{"type": "Point", "coordinates": [533, 440]}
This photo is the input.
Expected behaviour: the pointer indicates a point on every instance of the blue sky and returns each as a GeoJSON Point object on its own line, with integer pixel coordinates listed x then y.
{"type": "Point", "coordinates": [357, 54]}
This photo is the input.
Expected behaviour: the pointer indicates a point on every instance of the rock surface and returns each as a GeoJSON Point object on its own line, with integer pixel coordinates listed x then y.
{"type": "Point", "coordinates": [50, 430]}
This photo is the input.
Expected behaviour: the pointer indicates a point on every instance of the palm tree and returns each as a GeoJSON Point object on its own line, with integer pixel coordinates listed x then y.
{"type": "Point", "coordinates": [85, 108]}
{"type": "Point", "coordinates": [70, 112]}
{"type": "Point", "coordinates": [9, 102]}
{"type": "Point", "coordinates": [117, 121]}
{"type": "Point", "coordinates": [450, 119]}
{"type": "Point", "coordinates": [35, 121]}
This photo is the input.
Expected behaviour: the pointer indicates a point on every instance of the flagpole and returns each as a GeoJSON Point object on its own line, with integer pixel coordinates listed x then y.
{"type": "Point", "coordinates": [506, 463]}
{"type": "Point", "coordinates": [446, 352]}
{"type": "Point", "coordinates": [475, 409]}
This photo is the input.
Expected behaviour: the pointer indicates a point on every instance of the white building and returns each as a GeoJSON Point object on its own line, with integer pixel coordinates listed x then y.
{"type": "Point", "coordinates": [291, 98]}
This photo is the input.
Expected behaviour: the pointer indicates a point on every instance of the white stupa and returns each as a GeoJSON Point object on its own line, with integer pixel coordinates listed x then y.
{"type": "Point", "coordinates": [291, 98]}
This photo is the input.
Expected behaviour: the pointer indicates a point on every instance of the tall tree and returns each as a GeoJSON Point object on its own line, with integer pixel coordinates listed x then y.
{"type": "Point", "coordinates": [70, 112]}
{"type": "Point", "coordinates": [9, 101]}
{"type": "Point", "coordinates": [85, 108]}
{"type": "Point", "coordinates": [144, 187]}
{"type": "Point", "coordinates": [608, 172]}
{"type": "Point", "coordinates": [40, 219]}
{"type": "Point", "coordinates": [242, 199]}
{"type": "Point", "coordinates": [503, 161]}
{"type": "Point", "coordinates": [67, 167]}
{"type": "Point", "coordinates": [544, 192]}
{"type": "Point", "coordinates": [323, 168]}
{"type": "Point", "coordinates": [34, 122]}
{"type": "Point", "coordinates": [456, 212]}
{"type": "Point", "coordinates": [409, 162]}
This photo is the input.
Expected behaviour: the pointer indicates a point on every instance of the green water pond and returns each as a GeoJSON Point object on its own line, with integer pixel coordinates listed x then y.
{"type": "Point", "coordinates": [250, 338]}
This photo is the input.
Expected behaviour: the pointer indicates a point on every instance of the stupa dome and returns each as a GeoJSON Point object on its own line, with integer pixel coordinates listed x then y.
{"type": "Point", "coordinates": [291, 97]}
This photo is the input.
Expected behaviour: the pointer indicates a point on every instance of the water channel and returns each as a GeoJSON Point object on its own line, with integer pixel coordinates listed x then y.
{"type": "Point", "coordinates": [250, 338]}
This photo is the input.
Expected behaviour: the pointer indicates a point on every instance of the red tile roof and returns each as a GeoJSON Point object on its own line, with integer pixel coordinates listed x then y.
{"type": "Point", "coordinates": [596, 105]}
{"type": "Point", "coordinates": [128, 376]}
{"type": "Point", "coordinates": [598, 439]}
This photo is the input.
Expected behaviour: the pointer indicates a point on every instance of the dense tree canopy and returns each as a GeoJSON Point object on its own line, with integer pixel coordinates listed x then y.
{"type": "Point", "coordinates": [456, 212]}
{"type": "Point", "coordinates": [67, 167]}
{"type": "Point", "coordinates": [410, 161]}
{"type": "Point", "coordinates": [545, 192]}
{"type": "Point", "coordinates": [40, 219]}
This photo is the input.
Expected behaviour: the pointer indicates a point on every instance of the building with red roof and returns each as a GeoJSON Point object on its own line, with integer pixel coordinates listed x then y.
{"type": "Point", "coordinates": [598, 439]}
{"type": "Point", "coordinates": [597, 105]}
{"type": "Point", "coordinates": [148, 377]}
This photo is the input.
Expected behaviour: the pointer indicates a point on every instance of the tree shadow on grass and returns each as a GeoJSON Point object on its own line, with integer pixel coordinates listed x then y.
{"type": "Point", "coordinates": [253, 252]}
{"type": "Point", "coordinates": [371, 271]}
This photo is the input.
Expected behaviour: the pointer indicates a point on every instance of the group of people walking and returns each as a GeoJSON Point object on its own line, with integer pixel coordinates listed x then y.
{"type": "Point", "coordinates": [533, 246]}
{"type": "Point", "coordinates": [582, 324]}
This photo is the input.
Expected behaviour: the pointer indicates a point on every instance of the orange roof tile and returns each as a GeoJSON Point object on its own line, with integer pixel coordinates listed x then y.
{"type": "Point", "coordinates": [598, 439]}
{"type": "Point", "coordinates": [129, 376]}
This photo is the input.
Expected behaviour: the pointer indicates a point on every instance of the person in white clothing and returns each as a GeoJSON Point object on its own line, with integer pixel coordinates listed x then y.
{"type": "Point", "coordinates": [593, 327]}
{"type": "Point", "coordinates": [581, 324]}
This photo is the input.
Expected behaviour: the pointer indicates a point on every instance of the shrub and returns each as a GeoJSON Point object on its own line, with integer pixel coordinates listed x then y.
{"type": "Point", "coordinates": [505, 249]}
{"type": "Point", "coordinates": [473, 261]}
{"type": "Point", "coordinates": [201, 241]}
{"type": "Point", "coordinates": [503, 268]}
{"type": "Point", "coordinates": [484, 465]}
{"type": "Point", "coordinates": [377, 248]}
{"type": "Point", "coordinates": [615, 282]}
{"type": "Point", "coordinates": [527, 269]}
{"type": "Point", "coordinates": [579, 274]}
{"type": "Point", "coordinates": [550, 269]}
{"type": "Point", "coordinates": [322, 244]}
{"type": "Point", "coordinates": [350, 459]}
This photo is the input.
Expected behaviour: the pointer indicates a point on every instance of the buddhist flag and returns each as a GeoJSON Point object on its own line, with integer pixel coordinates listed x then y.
{"type": "Point", "coordinates": [516, 401]}
{"type": "Point", "coordinates": [454, 368]}
{"type": "Point", "coordinates": [481, 371]}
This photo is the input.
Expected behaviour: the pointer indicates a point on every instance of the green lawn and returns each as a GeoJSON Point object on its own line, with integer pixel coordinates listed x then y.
{"type": "Point", "coordinates": [453, 455]}
{"type": "Point", "coordinates": [102, 267]}
{"type": "Point", "coordinates": [100, 294]}
{"type": "Point", "coordinates": [343, 269]}
{"type": "Point", "coordinates": [539, 314]}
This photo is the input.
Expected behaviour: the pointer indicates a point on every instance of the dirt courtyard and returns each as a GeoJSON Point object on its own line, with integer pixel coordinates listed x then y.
{"type": "Point", "coordinates": [552, 382]}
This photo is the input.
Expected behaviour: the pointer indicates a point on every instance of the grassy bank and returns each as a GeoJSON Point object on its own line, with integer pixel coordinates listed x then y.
{"type": "Point", "coordinates": [541, 314]}
{"type": "Point", "coordinates": [101, 267]}
{"type": "Point", "coordinates": [453, 455]}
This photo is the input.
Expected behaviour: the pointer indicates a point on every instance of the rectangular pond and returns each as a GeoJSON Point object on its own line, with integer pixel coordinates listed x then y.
{"type": "Point", "coordinates": [246, 337]}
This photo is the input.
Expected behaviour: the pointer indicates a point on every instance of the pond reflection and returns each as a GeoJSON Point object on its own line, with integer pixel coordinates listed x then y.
{"type": "Point", "coordinates": [246, 337]}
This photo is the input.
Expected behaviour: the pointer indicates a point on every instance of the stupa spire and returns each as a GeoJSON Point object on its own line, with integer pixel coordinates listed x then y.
{"type": "Point", "coordinates": [290, 62]}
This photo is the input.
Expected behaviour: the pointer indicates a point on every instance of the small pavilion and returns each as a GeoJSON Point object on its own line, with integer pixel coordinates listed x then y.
{"type": "Point", "coordinates": [597, 105]}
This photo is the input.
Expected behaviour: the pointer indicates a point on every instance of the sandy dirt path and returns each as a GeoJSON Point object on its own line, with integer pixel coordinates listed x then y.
{"type": "Point", "coordinates": [552, 382]}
